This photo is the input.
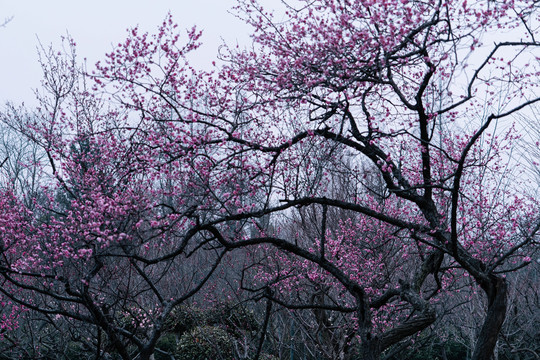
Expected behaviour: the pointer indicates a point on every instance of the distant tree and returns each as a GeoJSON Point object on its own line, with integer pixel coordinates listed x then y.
{"type": "Point", "coordinates": [6, 21]}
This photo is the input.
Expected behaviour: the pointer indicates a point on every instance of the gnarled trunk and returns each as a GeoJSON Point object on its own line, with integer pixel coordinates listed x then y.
{"type": "Point", "coordinates": [496, 291]}
{"type": "Point", "coordinates": [370, 350]}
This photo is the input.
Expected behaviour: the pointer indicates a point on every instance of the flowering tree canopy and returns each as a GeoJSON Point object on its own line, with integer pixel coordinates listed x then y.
{"type": "Point", "coordinates": [358, 156]}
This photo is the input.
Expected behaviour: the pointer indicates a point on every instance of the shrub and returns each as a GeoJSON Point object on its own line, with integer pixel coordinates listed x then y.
{"type": "Point", "coordinates": [235, 318]}
{"type": "Point", "coordinates": [166, 344]}
{"type": "Point", "coordinates": [205, 343]}
{"type": "Point", "coordinates": [185, 318]}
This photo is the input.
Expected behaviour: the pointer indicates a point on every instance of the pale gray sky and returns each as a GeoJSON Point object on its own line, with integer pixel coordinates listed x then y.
{"type": "Point", "coordinates": [95, 26]}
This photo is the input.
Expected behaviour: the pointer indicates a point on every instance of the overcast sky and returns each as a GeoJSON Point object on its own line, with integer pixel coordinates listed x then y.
{"type": "Point", "coordinates": [95, 26]}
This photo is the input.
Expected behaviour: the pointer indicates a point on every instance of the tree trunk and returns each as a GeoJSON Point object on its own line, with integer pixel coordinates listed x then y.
{"type": "Point", "coordinates": [370, 350]}
{"type": "Point", "coordinates": [496, 291]}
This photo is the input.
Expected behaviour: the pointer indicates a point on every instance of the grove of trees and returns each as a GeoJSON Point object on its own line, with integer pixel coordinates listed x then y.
{"type": "Point", "coordinates": [357, 184]}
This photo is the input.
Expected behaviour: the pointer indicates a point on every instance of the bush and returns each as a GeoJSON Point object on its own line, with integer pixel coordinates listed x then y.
{"type": "Point", "coordinates": [185, 318]}
{"type": "Point", "coordinates": [167, 344]}
{"type": "Point", "coordinates": [205, 343]}
{"type": "Point", "coordinates": [235, 318]}
{"type": "Point", "coordinates": [453, 350]}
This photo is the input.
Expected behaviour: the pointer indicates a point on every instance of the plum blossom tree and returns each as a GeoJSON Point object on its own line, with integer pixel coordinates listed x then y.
{"type": "Point", "coordinates": [391, 82]}
{"type": "Point", "coordinates": [158, 171]}
{"type": "Point", "coordinates": [72, 253]}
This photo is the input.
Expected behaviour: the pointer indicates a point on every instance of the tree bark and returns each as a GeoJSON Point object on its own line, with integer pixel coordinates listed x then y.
{"type": "Point", "coordinates": [496, 291]}
{"type": "Point", "coordinates": [370, 350]}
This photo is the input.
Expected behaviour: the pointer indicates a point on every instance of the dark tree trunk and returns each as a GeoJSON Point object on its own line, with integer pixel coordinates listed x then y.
{"type": "Point", "coordinates": [496, 291]}
{"type": "Point", "coordinates": [146, 354]}
{"type": "Point", "coordinates": [371, 350]}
